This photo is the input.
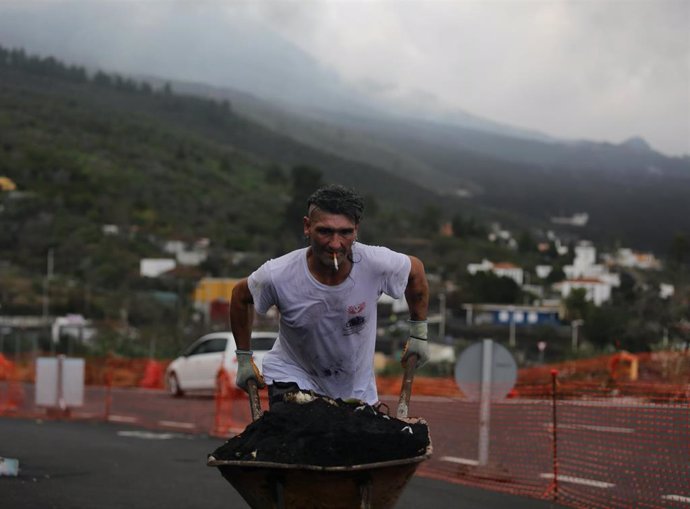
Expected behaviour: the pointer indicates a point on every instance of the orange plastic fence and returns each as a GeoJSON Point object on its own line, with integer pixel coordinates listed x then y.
{"type": "Point", "coordinates": [574, 432]}
{"type": "Point", "coordinates": [12, 396]}
{"type": "Point", "coordinates": [596, 450]}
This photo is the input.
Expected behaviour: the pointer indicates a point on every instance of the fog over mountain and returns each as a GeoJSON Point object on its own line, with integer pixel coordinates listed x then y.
{"type": "Point", "coordinates": [457, 62]}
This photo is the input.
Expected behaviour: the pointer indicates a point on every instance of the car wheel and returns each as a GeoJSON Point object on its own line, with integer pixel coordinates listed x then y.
{"type": "Point", "coordinates": [174, 386]}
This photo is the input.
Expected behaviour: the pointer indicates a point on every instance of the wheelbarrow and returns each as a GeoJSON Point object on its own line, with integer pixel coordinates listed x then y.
{"type": "Point", "coordinates": [269, 485]}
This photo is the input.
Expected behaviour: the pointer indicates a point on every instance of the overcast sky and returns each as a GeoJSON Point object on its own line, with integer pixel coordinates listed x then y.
{"type": "Point", "coordinates": [603, 70]}
{"type": "Point", "coordinates": [599, 69]}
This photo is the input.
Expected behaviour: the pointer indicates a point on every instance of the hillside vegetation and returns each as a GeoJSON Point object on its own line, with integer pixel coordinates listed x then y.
{"type": "Point", "coordinates": [633, 195]}
{"type": "Point", "coordinates": [108, 169]}
{"type": "Point", "coordinates": [90, 150]}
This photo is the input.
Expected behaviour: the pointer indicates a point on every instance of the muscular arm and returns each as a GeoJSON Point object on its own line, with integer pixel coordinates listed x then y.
{"type": "Point", "coordinates": [242, 314]}
{"type": "Point", "coordinates": [417, 291]}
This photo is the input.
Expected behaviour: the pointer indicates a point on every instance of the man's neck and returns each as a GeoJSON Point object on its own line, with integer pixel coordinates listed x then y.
{"type": "Point", "coordinates": [326, 274]}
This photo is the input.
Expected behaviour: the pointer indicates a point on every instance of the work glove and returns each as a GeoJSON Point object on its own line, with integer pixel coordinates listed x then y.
{"type": "Point", "coordinates": [417, 343]}
{"type": "Point", "coordinates": [247, 370]}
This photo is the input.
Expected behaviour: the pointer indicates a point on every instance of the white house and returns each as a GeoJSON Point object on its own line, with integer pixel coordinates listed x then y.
{"type": "Point", "coordinates": [73, 325]}
{"type": "Point", "coordinates": [184, 256]}
{"type": "Point", "coordinates": [485, 266]}
{"type": "Point", "coordinates": [510, 270]}
{"type": "Point", "coordinates": [596, 290]}
{"type": "Point", "coordinates": [578, 219]}
{"type": "Point", "coordinates": [503, 269]}
{"type": "Point", "coordinates": [626, 257]}
{"type": "Point", "coordinates": [154, 267]}
{"type": "Point", "coordinates": [543, 271]}
{"type": "Point", "coordinates": [666, 290]}
{"type": "Point", "coordinates": [110, 229]}
{"type": "Point", "coordinates": [174, 246]}
{"type": "Point", "coordinates": [585, 267]}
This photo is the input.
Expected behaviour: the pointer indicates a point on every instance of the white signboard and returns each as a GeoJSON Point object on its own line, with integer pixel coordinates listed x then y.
{"type": "Point", "coordinates": [59, 382]}
{"type": "Point", "coordinates": [502, 370]}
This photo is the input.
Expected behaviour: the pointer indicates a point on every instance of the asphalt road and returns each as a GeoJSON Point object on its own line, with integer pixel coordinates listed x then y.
{"type": "Point", "coordinates": [66, 465]}
{"type": "Point", "coordinates": [615, 452]}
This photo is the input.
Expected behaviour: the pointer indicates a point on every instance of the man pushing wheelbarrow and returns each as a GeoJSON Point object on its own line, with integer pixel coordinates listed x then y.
{"type": "Point", "coordinates": [327, 294]}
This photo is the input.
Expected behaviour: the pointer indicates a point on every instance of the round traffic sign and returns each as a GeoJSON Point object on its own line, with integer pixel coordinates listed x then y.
{"type": "Point", "coordinates": [502, 370]}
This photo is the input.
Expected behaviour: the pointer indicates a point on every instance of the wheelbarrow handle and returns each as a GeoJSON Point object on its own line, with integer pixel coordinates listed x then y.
{"type": "Point", "coordinates": [406, 389]}
{"type": "Point", "coordinates": [254, 400]}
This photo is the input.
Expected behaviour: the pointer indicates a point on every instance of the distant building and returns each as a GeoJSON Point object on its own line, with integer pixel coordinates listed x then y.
{"type": "Point", "coordinates": [110, 229]}
{"type": "Point", "coordinates": [666, 290]}
{"type": "Point", "coordinates": [212, 297]}
{"type": "Point", "coordinates": [626, 257]}
{"type": "Point", "coordinates": [186, 254]}
{"type": "Point", "coordinates": [596, 290]}
{"type": "Point", "coordinates": [585, 267]}
{"type": "Point", "coordinates": [502, 314]}
{"type": "Point", "coordinates": [446, 229]}
{"type": "Point", "coordinates": [499, 235]}
{"type": "Point", "coordinates": [154, 267]}
{"type": "Point", "coordinates": [543, 271]}
{"type": "Point", "coordinates": [505, 269]}
{"type": "Point", "coordinates": [579, 219]}
{"type": "Point", "coordinates": [501, 269]}
{"type": "Point", "coordinates": [7, 184]}
{"type": "Point", "coordinates": [209, 289]}
{"type": "Point", "coordinates": [73, 325]}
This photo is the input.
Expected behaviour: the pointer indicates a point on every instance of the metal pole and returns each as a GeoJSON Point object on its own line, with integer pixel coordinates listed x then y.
{"type": "Point", "coordinates": [575, 324]}
{"type": "Point", "coordinates": [46, 283]}
{"type": "Point", "coordinates": [442, 323]}
{"type": "Point", "coordinates": [573, 337]}
{"type": "Point", "coordinates": [60, 388]}
{"type": "Point", "coordinates": [485, 401]}
{"type": "Point", "coordinates": [16, 345]}
{"type": "Point", "coordinates": [554, 373]}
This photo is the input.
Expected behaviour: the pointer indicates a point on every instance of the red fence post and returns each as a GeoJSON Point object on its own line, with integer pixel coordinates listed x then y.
{"type": "Point", "coordinates": [108, 393]}
{"type": "Point", "coordinates": [554, 427]}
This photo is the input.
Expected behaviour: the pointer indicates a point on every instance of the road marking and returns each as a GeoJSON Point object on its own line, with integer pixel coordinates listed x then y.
{"type": "Point", "coordinates": [461, 461]}
{"type": "Point", "coordinates": [677, 498]}
{"type": "Point", "coordinates": [433, 399]}
{"type": "Point", "coordinates": [122, 418]}
{"type": "Point", "coordinates": [589, 427]}
{"type": "Point", "coordinates": [86, 415]}
{"type": "Point", "coordinates": [175, 424]}
{"type": "Point", "coordinates": [148, 435]}
{"type": "Point", "coordinates": [579, 480]}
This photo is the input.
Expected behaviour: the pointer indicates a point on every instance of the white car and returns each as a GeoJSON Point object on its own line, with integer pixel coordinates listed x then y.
{"type": "Point", "coordinates": [199, 366]}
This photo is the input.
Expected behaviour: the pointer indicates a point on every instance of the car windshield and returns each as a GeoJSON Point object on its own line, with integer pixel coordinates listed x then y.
{"type": "Point", "coordinates": [263, 342]}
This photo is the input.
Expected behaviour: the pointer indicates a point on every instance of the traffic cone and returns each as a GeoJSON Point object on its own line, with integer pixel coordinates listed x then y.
{"type": "Point", "coordinates": [153, 375]}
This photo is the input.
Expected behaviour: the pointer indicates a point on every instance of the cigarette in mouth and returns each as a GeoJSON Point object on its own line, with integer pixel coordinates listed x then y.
{"type": "Point", "coordinates": [335, 262]}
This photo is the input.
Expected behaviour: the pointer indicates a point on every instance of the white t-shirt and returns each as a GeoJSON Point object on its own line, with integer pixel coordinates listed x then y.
{"type": "Point", "coordinates": [327, 333]}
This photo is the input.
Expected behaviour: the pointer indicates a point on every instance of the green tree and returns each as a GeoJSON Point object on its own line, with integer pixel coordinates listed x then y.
{"type": "Point", "coordinates": [526, 243]}
{"type": "Point", "coordinates": [605, 325]}
{"type": "Point", "coordinates": [577, 306]}
{"type": "Point", "coordinates": [488, 287]}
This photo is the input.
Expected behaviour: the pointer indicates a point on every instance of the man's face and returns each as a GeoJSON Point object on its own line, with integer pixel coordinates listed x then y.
{"type": "Point", "coordinates": [328, 234]}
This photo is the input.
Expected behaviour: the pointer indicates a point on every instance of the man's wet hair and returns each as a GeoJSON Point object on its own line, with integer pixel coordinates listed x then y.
{"type": "Point", "coordinates": [337, 199]}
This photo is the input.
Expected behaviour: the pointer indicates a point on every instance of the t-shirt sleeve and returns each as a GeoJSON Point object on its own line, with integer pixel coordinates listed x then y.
{"type": "Point", "coordinates": [396, 273]}
{"type": "Point", "coordinates": [261, 287]}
